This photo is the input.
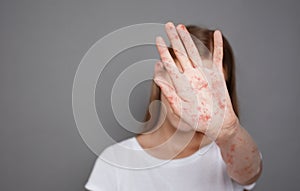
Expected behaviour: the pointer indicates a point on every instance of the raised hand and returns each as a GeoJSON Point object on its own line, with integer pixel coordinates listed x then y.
{"type": "Point", "coordinates": [198, 94]}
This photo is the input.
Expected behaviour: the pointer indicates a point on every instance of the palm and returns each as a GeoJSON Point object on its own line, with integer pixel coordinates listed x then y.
{"type": "Point", "coordinates": [198, 95]}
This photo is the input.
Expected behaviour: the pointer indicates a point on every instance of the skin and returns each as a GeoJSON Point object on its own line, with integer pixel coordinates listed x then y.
{"type": "Point", "coordinates": [187, 97]}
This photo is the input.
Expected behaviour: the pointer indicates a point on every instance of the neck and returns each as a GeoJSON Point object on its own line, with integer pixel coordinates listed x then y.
{"type": "Point", "coordinates": [177, 139]}
{"type": "Point", "coordinates": [167, 139]}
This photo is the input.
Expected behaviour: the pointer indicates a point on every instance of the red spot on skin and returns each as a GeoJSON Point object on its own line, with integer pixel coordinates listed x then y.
{"type": "Point", "coordinates": [171, 99]}
{"type": "Point", "coordinates": [222, 106]}
{"type": "Point", "coordinates": [198, 108]}
{"type": "Point", "coordinates": [176, 37]}
{"type": "Point", "coordinates": [247, 158]}
{"type": "Point", "coordinates": [247, 168]}
{"type": "Point", "coordinates": [253, 150]}
{"type": "Point", "coordinates": [240, 139]}
{"type": "Point", "coordinates": [199, 85]}
{"type": "Point", "coordinates": [229, 159]}
{"type": "Point", "coordinates": [182, 27]}
{"type": "Point", "coordinates": [205, 85]}
{"type": "Point", "coordinates": [204, 117]}
{"type": "Point", "coordinates": [232, 148]}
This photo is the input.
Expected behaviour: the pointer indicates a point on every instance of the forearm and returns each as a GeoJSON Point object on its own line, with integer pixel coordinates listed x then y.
{"type": "Point", "coordinates": [240, 153]}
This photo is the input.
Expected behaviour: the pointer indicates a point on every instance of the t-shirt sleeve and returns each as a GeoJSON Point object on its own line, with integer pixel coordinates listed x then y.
{"type": "Point", "coordinates": [249, 187]}
{"type": "Point", "coordinates": [103, 176]}
{"type": "Point", "coordinates": [237, 186]}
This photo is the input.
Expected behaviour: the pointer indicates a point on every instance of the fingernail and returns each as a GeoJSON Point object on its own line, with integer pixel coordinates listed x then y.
{"type": "Point", "coordinates": [169, 25]}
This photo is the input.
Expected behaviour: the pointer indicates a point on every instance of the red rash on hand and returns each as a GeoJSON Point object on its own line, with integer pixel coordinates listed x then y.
{"type": "Point", "coordinates": [204, 117]}
{"type": "Point", "coordinates": [232, 147]}
{"type": "Point", "coordinates": [183, 27]}
{"type": "Point", "coordinates": [229, 159]}
{"type": "Point", "coordinates": [221, 105]}
{"type": "Point", "coordinates": [191, 86]}
{"type": "Point", "coordinates": [240, 139]}
{"type": "Point", "coordinates": [171, 99]}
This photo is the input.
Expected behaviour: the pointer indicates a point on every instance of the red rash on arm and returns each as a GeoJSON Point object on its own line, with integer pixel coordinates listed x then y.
{"type": "Point", "coordinates": [241, 155]}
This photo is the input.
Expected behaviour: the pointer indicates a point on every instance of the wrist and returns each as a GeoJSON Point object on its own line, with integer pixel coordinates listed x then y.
{"type": "Point", "coordinates": [227, 133]}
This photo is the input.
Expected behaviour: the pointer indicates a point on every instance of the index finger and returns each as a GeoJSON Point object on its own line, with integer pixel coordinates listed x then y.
{"type": "Point", "coordinates": [166, 57]}
{"type": "Point", "coordinates": [177, 46]}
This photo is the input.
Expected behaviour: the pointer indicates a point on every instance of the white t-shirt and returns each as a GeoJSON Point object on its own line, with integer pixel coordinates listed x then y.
{"type": "Point", "coordinates": [203, 170]}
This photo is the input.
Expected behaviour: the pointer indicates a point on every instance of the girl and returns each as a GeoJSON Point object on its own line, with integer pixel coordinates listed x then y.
{"type": "Point", "coordinates": [197, 138]}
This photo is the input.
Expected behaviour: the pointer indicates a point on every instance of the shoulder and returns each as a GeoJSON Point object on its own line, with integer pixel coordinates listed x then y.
{"type": "Point", "coordinates": [112, 153]}
{"type": "Point", "coordinates": [105, 172]}
{"type": "Point", "coordinates": [129, 143]}
{"type": "Point", "coordinates": [121, 153]}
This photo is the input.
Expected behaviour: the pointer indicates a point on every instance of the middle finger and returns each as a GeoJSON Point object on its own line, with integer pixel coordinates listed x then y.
{"type": "Point", "coordinates": [177, 46]}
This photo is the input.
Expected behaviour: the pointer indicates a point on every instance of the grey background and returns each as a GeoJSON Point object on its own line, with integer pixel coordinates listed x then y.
{"type": "Point", "coordinates": [42, 43]}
